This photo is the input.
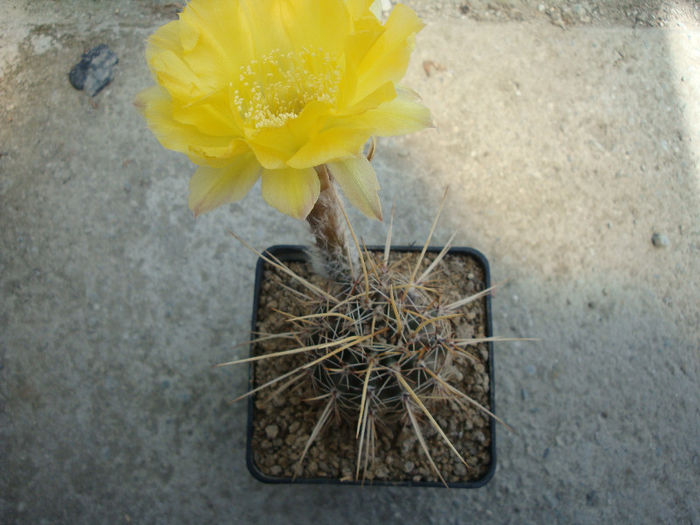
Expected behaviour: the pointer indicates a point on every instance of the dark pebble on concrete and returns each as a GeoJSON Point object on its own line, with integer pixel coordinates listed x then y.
{"type": "Point", "coordinates": [94, 71]}
{"type": "Point", "coordinates": [659, 240]}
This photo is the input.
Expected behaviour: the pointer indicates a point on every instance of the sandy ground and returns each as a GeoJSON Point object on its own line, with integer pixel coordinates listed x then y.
{"type": "Point", "coordinates": [568, 132]}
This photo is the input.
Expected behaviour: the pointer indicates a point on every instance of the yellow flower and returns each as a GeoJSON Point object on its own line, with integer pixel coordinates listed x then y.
{"type": "Point", "coordinates": [275, 88]}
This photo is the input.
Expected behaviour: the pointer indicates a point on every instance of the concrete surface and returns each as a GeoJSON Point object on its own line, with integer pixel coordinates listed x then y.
{"type": "Point", "coordinates": [569, 134]}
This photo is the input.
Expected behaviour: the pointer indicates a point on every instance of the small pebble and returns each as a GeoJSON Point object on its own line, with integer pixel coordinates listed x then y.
{"type": "Point", "coordinates": [660, 240]}
{"type": "Point", "coordinates": [94, 71]}
{"type": "Point", "coordinates": [408, 467]}
{"type": "Point", "coordinates": [276, 470]}
{"type": "Point", "coordinates": [312, 468]}
{"type": "Point", "coordinates": [382, 472]}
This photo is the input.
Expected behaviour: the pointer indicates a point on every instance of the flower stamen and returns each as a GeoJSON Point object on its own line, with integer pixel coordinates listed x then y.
{"type": "Point", "coordinates": [276, 88]}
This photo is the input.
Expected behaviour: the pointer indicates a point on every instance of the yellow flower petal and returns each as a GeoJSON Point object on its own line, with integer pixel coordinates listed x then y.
{"type": "Point", "coordinates": [165, 37]}
{"type": "Point", "coordinates": [260, 20]}
{"type": "Point", "coordinates": [207, 118]}
{"type": "Point", "coordinates": [357, 44]}
{"type": "Point", "coordinates": [358, 181]}
{"type": "Point", "coordinates": [268, 157]}
{"type": "Point", "coordinates": [384, 93]}
{"type": "Point", "coordinates": [397, 117]}
{"type": "Point", "coordinates": [359, 8]}
{"type": "Point", "coordinates": [274, 146]}
{"type": "Point", "coordinates": [210, 47]}
{"type": "Point", "coordinates": [329, 145]}
{"type": "Point", "coordinates": [388, 58]}
{"type": "Point", "coordinates": [211, 187]}
{"type": "Point", "coordinates": [215, 155]}
{"type": "Point", "coordinates": [293, 192]}
{"type": "Point", "coordinates": [321, 25]}
{"type": "Point", "coordinates": [175, 75]}
{"type": "Point", "coordinates": [157, 107]}
{"type": "Point", "coordinates": [345, 136]}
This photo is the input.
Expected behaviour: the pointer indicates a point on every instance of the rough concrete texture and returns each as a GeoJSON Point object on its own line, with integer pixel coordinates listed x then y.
{"type": "Point", "coordinates": [568, 132]}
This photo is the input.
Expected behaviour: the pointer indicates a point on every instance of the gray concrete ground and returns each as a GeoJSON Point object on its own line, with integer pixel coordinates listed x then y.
{"type": "Point", "coordinates": [569, 133]}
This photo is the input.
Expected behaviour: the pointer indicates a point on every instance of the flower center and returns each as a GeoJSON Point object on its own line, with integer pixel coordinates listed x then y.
{"type": "Point", "coordinates": [277, 87]}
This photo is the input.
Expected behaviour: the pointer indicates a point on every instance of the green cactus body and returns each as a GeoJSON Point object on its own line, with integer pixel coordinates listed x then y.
{"type": "Point", "coordinates": [407, 339]}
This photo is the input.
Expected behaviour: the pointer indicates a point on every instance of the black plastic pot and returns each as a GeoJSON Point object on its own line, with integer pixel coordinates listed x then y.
{"type": "Point", "coordinates": [292, 253]}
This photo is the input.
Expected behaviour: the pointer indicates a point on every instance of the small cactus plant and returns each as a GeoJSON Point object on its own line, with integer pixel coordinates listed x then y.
{"type": "Point", "coordinates": [380, 347]}
{"type": "Point", "coordinates": [290, 92]}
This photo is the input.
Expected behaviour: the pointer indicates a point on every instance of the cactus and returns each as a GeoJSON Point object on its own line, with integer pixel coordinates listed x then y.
{"type": "Point", "coordinates": [293, 106]}
{"type": "Point", "coordinates": [380, 347]}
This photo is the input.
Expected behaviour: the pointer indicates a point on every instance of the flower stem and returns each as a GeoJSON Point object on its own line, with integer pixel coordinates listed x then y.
{"type": "Point", "coordinates": [326, 222]}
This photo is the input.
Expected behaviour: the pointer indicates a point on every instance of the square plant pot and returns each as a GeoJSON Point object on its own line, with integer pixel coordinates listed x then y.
{"type": "Point", "coordinates": [278, 426]}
